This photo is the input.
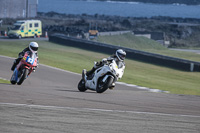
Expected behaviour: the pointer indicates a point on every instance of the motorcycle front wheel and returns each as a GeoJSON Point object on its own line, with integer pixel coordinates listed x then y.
{"type": "Point", "coordinates": [81, 86]}
{"type": "Point", "coordinates": [23, 76]}
{"type": "Point", "coordinates": [12, 79]}
{"type": "Point", "coordinates": [103, 86]}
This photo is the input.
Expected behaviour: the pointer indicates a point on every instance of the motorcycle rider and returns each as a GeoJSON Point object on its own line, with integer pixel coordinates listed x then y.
{"type": "Point", "coordinates": [119, 58]}
{"type": "Point", "coordinates": [33, 47]}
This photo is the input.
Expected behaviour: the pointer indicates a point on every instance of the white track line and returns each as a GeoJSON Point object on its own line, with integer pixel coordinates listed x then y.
{"type": "Point", "coordinates": [93, 109]}
{"type": "Point", "coordinates": [122, 83]}
{"type": "Point", "coordinates": [3, 78]}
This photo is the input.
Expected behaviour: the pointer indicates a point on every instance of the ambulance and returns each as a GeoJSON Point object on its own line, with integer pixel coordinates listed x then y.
{"type": "Point", "coordinates": [26, 28]}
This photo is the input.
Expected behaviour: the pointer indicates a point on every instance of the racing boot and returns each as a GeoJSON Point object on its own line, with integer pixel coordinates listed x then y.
{"type": "Point", "coordinates": [14, 65]}
{"type": "Point", "coordinates": [96, 65]}
{"type": "Point", "coordinates": [88, 73]}
{"type": "Point", "coordinates": [84, 75]}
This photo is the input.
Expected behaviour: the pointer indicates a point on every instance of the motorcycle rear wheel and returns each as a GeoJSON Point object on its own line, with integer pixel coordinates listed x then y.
{"type": "Point", "coordinates": [23, 76]}
{"type": "Point", "coordinates": [103, 86]}
{"type": "Point", "coordinates": [81, 86]}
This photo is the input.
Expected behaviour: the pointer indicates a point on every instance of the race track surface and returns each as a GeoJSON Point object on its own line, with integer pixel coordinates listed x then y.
{"type": "Point", "coordinates": [49, 101]}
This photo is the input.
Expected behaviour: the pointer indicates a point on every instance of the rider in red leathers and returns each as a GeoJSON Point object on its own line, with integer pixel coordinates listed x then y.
{"type": "Point", "coordinates": [33, 47]}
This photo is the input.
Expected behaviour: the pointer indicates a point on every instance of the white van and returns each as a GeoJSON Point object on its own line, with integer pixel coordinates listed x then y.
{"type": "Point", "coordinates": [26, 28]}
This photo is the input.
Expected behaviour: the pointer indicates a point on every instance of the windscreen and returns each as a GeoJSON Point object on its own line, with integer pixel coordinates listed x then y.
{"type": "Point", "coordinates": [16, 27]}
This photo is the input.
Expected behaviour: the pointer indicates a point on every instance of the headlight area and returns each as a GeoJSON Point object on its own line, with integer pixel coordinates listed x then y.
{"type": "Point", "coordinates": [13, 35]}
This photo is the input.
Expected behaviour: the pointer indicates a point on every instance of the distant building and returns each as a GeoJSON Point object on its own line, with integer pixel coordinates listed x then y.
{"type": "Point", "coordinates": [157, 36]}
{"type": "Point", "coordinates": [18, 8]}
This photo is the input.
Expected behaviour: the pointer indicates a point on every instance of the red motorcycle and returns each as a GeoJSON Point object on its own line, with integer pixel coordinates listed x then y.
{"type": "Point", "coordinates": [24, 68]}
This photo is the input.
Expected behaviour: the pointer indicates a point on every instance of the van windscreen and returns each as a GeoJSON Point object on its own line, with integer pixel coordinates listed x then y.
{"type": "Point", "coordinates": [16, 27]}
{"type": "Point", "coordinates": [19, 23]}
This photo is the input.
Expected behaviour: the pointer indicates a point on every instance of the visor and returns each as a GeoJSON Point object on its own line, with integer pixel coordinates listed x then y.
{"type": "Point", "coordinates": [122, 57]}
{"type": "Point", "coordinates": [34, 48]}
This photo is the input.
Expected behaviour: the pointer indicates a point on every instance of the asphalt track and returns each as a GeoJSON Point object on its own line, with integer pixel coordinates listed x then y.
{"type": "Point", "coordinates": [49, 102]}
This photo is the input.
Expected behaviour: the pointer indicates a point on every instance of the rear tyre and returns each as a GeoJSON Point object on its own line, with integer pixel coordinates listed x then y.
{"type": "Point", "coordinates": [35, 36]}
{"type": "Point", "coordinates": [81, 86]}
{"type": "Point", "coordinates": [103, 86]}
{"type": "Point", "coordinates": [23, 76]}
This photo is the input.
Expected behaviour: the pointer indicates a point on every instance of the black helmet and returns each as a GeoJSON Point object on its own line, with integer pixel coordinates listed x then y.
{"type": "Point", "coordinates": [121, 54]}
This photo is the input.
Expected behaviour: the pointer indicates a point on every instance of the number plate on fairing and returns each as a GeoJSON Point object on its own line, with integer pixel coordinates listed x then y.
{"type": "Point", "coordinates": [30, 60]}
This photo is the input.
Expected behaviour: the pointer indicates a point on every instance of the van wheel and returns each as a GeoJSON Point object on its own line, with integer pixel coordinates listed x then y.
{"type": "Point", "coordinates": [35, 36]}
{"type": "Point", "coordinates": [19, 37]}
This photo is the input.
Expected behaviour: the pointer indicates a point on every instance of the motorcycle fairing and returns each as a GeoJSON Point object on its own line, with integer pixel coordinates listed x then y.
{"type": "Point", "coordinates": [100, 72]}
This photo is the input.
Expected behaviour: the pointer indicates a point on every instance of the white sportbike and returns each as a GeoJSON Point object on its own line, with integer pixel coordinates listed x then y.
{"type": "Point", "coordinates": [102, 79]}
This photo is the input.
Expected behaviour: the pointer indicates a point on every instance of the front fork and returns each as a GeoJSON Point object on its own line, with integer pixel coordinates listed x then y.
{"type": "Point", "coordinates": [15, 75]}
{"type": "Point", "coordinates": [16, 71]}
{"type": "Point", "coordinates": [111, 86]}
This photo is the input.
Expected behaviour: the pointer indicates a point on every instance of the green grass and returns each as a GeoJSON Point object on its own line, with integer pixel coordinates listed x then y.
{"type": "Point", "coordinates": [2, 81]}
{"type": "Point", "coordinates": [138, 73]}
{"type": "Point", "coordinates": [131, 41]}
{"type": "Point", "coordinates": [145, 44]}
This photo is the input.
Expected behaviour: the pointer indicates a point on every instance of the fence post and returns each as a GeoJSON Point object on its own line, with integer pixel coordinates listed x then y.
{"type": "Point", "coordinates": [191, 67]}
{"type": "Point", "coordinates": [46, 34]}
{"type": "Point", "coordinates": [5, 33]}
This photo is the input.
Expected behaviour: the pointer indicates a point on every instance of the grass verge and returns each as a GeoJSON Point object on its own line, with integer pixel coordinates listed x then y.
{"type": "Point", "coordinates": [148, 45]}
{"type": "Point", "coordinates": [138, 73]}
{"type": "Point", "coordinates": [2, 81]}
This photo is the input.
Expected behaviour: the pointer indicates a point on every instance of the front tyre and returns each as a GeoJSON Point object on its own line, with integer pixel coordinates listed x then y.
{"type": "Point", "coordinates": [12, 79]}
{"type": "Point", "coordinates": [81, 86]}
{"type": "Point", "coordinates": [19, 37]}
{"type": "Point", "coordinates": [23, 76]}
{"type": "Point", "coordinates": [103, 86]}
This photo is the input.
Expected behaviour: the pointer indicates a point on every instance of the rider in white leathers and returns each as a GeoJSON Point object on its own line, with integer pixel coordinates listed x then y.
{"type": "Point", "coordinates": [119, 57]}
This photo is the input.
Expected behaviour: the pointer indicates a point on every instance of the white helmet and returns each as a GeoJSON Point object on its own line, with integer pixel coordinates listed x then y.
{"type": "Point", "coordinates": [121, 54]}
{"type": "Point", "coordinates": [33, 46]}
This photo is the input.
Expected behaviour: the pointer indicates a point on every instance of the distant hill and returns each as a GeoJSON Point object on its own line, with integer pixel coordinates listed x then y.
{"type": "Point", "coordinates": [187, 2]}
{"type": "Point", "coordinates": [130, 41]}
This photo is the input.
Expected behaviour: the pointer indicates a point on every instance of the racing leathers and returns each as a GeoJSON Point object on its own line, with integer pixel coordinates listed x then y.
{"type": "Point", "coordinates": [120, 64]}
{"type": "Point", "coordinates": [20, 56]}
